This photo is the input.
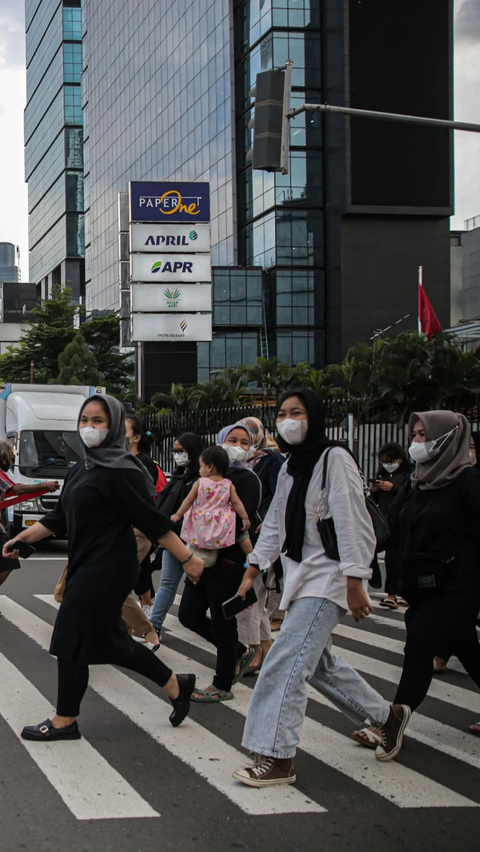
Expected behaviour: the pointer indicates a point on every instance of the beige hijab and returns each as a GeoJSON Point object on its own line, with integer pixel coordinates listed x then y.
{"type": "Point", "coordinates": [454, 454]}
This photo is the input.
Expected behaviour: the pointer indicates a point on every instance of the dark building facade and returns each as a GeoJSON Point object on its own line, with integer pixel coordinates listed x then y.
{"type": "Point", "coordinates": [54, 145]}
{"type": "Point", "coordinates": [305, 264]}
{"type": "Point", "coordinates": [9, 262]}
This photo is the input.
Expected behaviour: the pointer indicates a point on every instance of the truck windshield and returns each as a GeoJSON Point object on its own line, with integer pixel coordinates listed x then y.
{"type": "Point", "coordinates": [48, 453]}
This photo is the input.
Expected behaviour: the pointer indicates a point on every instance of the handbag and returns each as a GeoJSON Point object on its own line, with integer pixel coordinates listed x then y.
{"type": "Point", "coordinates": [326, 526]}
{"type": "Point", "coordinates": [59, 590]}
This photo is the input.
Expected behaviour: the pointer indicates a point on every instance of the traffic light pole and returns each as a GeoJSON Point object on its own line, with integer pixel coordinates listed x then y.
{"type": "Point", "coordinates": [385, 116]}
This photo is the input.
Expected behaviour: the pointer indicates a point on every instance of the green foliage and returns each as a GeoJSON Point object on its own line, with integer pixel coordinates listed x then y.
{"type": "Point", "coordinates": [52, 331]}
{"type": "Point", "coordinates": [383, 381]}
{"type": "Point", "coordinates": [77, 364]}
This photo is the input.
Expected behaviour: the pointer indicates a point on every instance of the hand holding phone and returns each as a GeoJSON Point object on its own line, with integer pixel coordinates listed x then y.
{"type": "Point", "coordinates": [24, 550]}
{"type": "Point", "coordinates": [235, 605]}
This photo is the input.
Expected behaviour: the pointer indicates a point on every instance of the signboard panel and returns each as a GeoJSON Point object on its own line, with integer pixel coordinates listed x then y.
{"type": "Point", "coordinates": [169, 238]}
{"type": "Point", "coordinates": [150, 298]}
{"type": "Point", "coordinates": [169, 202]}
{"type": "Point", "coordinates": [171, 327]}
{"type": "Point", "coordinates": [158, 268]}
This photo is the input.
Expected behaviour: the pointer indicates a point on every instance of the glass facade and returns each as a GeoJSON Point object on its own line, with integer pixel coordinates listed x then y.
{"type": "Point", "coordinates": [9, 263]}
{"type": "Point", "coordinates": [54, 144]}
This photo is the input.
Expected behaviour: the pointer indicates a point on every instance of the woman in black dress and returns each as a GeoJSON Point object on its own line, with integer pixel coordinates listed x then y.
{"type": "Point", "coordinates": [436, 525]}
{"type": "Point", "coordinates": [101, 501]}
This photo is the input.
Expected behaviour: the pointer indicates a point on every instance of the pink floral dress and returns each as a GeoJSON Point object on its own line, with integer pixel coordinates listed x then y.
{"type": "Point", "coordinates": [210, 523]}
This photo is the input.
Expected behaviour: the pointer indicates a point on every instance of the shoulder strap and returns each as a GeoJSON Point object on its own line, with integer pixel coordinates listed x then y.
{"type": "Point", "coordinates": [325, 468]}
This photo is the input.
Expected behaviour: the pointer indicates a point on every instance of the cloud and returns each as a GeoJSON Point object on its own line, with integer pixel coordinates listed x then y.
{"type": "Point", "coordinates": [12, 34]}
{"type": "Point", "coordinates": [467, 22]}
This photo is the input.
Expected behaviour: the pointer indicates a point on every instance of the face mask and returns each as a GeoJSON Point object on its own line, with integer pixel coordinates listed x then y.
{"type": "Point", "coordinates": [390, 467]}
{"type": "Point", "coordinates": [6, 466]}
{"type": "Point", "coordinates": [181, 459]}
{"type": "Point", "coordinates": [235, 453]}
{"type": "Point", "coordinates": [424, 452]}
{"type": "Point", "coordinates": [93, 437]}
{"type": "Point", "coordinates": [293, 431]}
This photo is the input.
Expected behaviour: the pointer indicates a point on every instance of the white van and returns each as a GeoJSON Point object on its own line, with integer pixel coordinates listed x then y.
{"type": "Point", "coordinates": [41, 423]}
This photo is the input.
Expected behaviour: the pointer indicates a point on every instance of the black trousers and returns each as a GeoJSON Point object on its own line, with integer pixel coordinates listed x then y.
{"type": "Point", "coordinates": [73, 678]}
{"type": "Point", "coordinates": [393, 568]}
{"type": "Point", "coordinates": [219, 583]}
{"type": "Point", "coordinates": [418, 665]}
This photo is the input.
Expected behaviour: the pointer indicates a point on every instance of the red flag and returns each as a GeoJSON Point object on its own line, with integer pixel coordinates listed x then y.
{"type": "Point", "coordinates": [427, 318]}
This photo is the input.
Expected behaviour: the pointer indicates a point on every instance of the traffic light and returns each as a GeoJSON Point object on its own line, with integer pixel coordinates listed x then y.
{"type": "Point", "coordinates": [271, 131]}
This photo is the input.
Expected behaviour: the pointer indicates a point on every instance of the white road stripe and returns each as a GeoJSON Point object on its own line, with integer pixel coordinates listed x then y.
{"type": "Point", "coordinates": [403, 787]}
{"type": "Point", "coordinates": [88, 785]}
{"type": "Point", "coordinates": [207, 754]}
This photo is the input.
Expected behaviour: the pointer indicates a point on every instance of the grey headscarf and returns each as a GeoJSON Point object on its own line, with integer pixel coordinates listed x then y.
{"type": "Point", "coordinates": [114, 451]}
{"type": "Point", "coordinates": [454, 455]}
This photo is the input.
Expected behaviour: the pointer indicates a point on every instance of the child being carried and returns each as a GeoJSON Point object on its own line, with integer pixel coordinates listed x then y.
{"type": "Point", "coordinates": [211, 510]}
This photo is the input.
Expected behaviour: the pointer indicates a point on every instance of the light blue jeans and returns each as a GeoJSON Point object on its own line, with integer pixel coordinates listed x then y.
{"type": "Point", "coordinates": [172, 573]}
{"type": "Point", "coordinates": [301, 654]}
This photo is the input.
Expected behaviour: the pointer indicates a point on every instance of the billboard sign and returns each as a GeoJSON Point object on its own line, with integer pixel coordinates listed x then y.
{"type": "Point", "coordinates": [157, 268]}
{"type": "Point", "coordinates": [150, 298]}
{"type": "Point", "coordinates": [169, 238]}
{"type": "Point", "coordinates": [171, 328]}
{"type": "Point", "coordinates": [169, 202]}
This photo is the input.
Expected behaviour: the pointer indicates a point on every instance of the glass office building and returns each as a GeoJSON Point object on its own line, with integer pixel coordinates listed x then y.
{"type": "Point", "coordinates": [308, 263]}
{"type": "Point", "coordinates": [54, 145]}
{"type": "Point", "coordinates": [10, 262]}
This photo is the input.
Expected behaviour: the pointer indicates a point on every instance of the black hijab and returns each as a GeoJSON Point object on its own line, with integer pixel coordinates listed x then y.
{"type": "Point", "coordinates": [301, 463]}
{"type": "Point", "coordinates": [192, 445]}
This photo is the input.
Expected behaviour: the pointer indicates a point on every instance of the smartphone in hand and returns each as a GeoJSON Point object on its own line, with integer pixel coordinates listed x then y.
{"type": "Point", "coordinates": [25, 550]}
{"type": "Point", "coordinates": [236, 605]}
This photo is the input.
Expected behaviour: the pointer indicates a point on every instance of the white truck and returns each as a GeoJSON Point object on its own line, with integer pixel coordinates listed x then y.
{"type": "Point", "coordinates": [41, 423]}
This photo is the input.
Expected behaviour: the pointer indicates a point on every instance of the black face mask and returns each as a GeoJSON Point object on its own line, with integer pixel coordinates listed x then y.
{"type": "Point", "coordinates": [6, 465]}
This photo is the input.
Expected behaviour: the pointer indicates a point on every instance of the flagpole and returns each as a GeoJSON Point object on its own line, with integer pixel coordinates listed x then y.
{"type": "Point", "coordinates": [420, 284]}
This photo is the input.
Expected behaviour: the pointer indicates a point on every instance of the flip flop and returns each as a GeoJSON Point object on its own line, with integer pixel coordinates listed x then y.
{"type": "Point", "coordinates": [253, 670]}
{"type": "Point", "coordinates": [475, 729]}
{"type": "Point", "coordinates": [367, 737]}
{"type": "Point", "coordinates": [402, 602]}
{"type": "Point", "coordinates": [244, 662]}
{"type": "Point", "coordinates": [213, 696]}
{"type": "Point", "coordinates": [389, 604]}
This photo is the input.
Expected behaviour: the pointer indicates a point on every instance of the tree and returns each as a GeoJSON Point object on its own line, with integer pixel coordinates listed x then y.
{"type": "Point", "coordinates": [179, 398]}
{"type": "Point", "coordinates": [78, 365]}
{"type": "Point", "coordinates": [271, 374]}
{"type": "Point", "coordinates": [52, 331]}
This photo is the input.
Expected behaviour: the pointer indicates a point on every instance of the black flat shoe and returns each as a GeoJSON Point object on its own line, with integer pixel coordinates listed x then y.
{"type": "Point", "coordinates": [46, 733]}
{"type": "Point", "coordinates": [181, 705]}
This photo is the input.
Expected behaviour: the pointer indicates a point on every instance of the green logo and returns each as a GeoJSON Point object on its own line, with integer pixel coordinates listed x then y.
{"type": "Point", "coordinates": [193, 235]}
{"type": "Point", "coordinates": [172, 297]}
{"type": "Point", "coordinates": [157, 266]}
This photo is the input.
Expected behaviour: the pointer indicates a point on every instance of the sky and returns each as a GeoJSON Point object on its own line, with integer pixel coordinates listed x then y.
{"type": "Point", "coordinates": [13, 191]}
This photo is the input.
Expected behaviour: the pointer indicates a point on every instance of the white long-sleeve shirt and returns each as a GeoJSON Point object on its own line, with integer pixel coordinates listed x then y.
{"type": "Point", "coordinates": [316, 575]}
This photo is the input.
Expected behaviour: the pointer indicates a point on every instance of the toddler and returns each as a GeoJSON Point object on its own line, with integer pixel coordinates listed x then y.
{"type": "Point", "coordinates": [211, 510]}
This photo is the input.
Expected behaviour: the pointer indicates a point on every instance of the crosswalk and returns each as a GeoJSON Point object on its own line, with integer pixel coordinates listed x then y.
{"type": "Point", "coordinates": [438, 768]}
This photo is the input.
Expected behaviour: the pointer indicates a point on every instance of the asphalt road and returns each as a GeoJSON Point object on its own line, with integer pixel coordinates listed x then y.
{"type": "Point", "coordinates": [134, 784]}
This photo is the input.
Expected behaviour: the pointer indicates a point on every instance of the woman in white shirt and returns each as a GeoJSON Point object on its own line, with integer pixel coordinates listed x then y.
{"type": "Point", "coordinates": [317, 593]}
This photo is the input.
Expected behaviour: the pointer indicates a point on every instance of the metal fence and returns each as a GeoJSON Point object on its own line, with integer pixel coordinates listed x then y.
{"type": "Point", "coordinates": [364, 439]}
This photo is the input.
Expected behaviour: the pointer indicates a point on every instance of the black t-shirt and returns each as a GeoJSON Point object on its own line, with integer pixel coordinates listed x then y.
{"type": "Point", "coordinates": [150, 465]}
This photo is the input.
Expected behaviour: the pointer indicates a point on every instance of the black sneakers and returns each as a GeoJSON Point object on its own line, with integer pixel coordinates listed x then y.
{"type": "Point", "coordinates": [392, 732]}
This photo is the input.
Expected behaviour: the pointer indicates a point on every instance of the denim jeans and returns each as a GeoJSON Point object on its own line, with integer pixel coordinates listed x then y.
{"type": "Point", "coordinates": [172, 573]}
{"type": "Point", "coordinates": [301, 654]}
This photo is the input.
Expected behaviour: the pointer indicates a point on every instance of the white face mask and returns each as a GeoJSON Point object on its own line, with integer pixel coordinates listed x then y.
{"type": "Point", "coordinates": [422, 452]}
{"type": "Point", "coordinates": [235, 453]}
{"type": "Point", "coordinates": [181, 459]}
{"type": "Point", "coordinates": [390, 467]}
{"type": "Point", "coordinates": [292, 431]}
{"type": "Point", "coordinates": [93, 437]}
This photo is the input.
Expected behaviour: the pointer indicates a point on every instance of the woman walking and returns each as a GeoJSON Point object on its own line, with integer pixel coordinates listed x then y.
{"type": "Point", "coordinates": [254, 624]}
{"type": "Point", "coordinates": [436, 524]}
{"type": "Point", "coordinates": [318, 592]}
{"type": "Point", "coordinates": [100, 501]}
{"type": "Point", "coordinates": [186, 457]}
{"type": "Point", "coordinates": [220, 581]}
{"type": "Point", "coordinates": [394, 472]}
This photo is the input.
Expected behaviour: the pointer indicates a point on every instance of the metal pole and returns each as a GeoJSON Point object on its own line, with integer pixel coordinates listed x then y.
{"type": "Point", "coordinates": [287, 103]}
{"type": "Point", "coordinates": [420, 284]}
{"type": "Point", "coordinates": [386, 116]}
{"type": "Point", "coordinates": [32, 372]}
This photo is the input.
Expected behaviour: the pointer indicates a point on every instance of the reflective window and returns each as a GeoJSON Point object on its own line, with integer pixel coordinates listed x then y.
{"type": "Point", "coordinates": [237, 297]}
{"type": "Point", "coordinates": [72, 24]}
{"type": "Point", "coordinates": [73, 105]}
{"type": "Point", "coordinates": [72, 63]}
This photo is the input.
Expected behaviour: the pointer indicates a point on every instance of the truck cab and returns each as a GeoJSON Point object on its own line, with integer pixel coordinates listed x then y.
{"type": "Point", "coordinates": [41, 423]}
